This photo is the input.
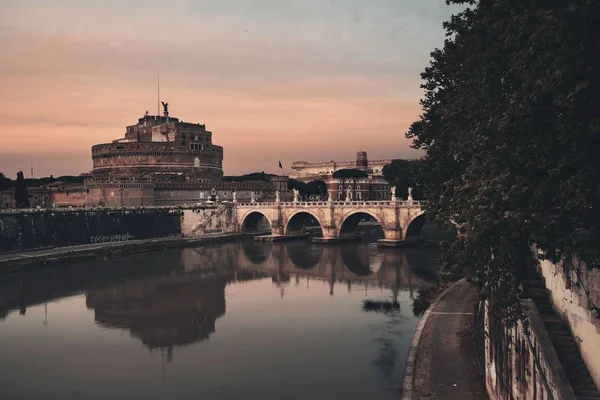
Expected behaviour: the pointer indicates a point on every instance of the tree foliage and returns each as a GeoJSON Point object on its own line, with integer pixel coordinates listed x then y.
{"type": "Point", "coordinates": [404, 174]}
{"type": "Point", "coordinates": [254, 176]}
{"type": "Point", "coordinates": [21, 196]}
{"type": "Point", "coordinates": [5, 182]}
{"type": "Point", "coordinates": [315, 187]}
{"type": "Point", "coordinates": [511, 128]}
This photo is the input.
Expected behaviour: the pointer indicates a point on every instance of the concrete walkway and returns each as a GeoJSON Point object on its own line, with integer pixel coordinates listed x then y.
{"type": "Point", "coordinates": [445, 366]}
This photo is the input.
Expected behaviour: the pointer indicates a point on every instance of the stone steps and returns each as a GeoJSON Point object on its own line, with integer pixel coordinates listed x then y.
{"type": "Point", "coordinates": [562, 340]}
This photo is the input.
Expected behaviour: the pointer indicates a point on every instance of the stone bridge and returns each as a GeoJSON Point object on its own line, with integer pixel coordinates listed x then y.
{"type": "Point", "coordinates": [399, 219]}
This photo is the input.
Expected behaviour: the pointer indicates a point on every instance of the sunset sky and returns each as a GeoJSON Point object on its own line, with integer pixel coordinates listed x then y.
{"type": "Point", "coordinates": [273, 80]}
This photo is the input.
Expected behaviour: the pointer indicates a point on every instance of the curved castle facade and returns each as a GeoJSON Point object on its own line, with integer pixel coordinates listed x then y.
{"type": "Point", "coordinates": [160, 148]}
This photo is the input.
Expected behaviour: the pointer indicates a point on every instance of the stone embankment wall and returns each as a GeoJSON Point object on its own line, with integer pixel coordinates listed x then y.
{"type": "Point", "coordinates": [520, 361]}
{"type": "Point", "coordinates": [30, 229]}
{"type": "Point", "coordinates": [575, 293]}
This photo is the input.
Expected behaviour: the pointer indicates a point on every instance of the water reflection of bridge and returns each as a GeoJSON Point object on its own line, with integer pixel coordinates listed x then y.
{"type": "Point", "coordinates": [349, 264]}
{"type": "Point", "coordinates": [174, 298]}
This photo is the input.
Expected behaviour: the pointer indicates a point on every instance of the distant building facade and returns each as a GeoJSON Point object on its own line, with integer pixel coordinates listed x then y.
{"type": "Point", "coordinates": [305, 171]}
{"type": "Point", "coordinates": [373, 187]}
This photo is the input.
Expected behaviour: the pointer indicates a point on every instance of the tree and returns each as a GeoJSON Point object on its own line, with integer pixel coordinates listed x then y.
{"type": "Point", "coordinates": [404, 174]}
{"type": "Point", "coordinates": [254, 176]}
{"type": "Point", "coordinates": [5, 183]}
{"type": "Point", "coordinates": [21, 196]}
{"type": "Point", "coordinates": [511, 129]}
{"type": "Point", "coordinates": [298, 185]}
{"type": "Point", "coordinates": [316, 187]}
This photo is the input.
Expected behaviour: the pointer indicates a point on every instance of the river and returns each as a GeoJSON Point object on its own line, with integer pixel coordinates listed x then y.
{"type": "Point", "coordinates": [236, 320]}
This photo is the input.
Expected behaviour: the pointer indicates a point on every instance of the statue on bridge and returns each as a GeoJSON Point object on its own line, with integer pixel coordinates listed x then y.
{"type": "Point", "coordinates": [393, 193]}
{"type": "Point", "coordinates": [329, 197]}
{"type": "Point", "coordinates": [410, 198]}
{"type": "Point", "coordinates": [234, 197]}
{"type": "Point", "coordinates": [348, 195]}
{"type": "Point", "coordinates": [296, 193]}
{"type": "Point", "coordinates": [277, 198]}
{"type": "Point", "coordinates": [252, 197]}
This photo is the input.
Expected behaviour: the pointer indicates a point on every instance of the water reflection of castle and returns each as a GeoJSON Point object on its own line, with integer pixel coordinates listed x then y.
{"type": "Point", "coordinates": [162, 312]}
{"type": "Point", "coordinates": [182, 308]}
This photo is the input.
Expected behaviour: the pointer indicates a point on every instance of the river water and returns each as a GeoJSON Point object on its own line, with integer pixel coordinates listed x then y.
{"type": "Point", "coordinates": [230, 321]}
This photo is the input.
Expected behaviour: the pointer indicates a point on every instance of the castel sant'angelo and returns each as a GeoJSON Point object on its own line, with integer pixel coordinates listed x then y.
{"type": "Point", "coordinates": [160, 161]}
{"type": "Point", "coordinates": [160, 148]}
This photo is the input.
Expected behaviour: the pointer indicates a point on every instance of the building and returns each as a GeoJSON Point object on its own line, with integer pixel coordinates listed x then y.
{"type": "Point", "coordinates": [368, 185]}
{"type": "Point", "coordinates": [305, 171]}
{"type": "Point", "coordinates": [162, 160]}
{"type": "Point", "coordinates": [159, 161]}
{"type": "Point", "coordinates": [39, 197]}
{"type": "Point", "coordinates": [159, 148]}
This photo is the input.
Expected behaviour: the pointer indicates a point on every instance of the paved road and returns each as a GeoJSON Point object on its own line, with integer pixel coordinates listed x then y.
{"type": "Point", "coordinates": [446, 367]}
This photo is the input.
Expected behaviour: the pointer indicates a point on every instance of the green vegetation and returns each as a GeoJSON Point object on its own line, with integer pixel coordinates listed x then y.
{"type": "Point", "coordinates": [20, 195]}
{"type": "Point", "coordinates": [404, 174]}
{"type": "Point", "coordinates": [511, 129]}
{"type": "Point", "coordinates": [312, 188]}
{"type": "Point", "coordinates": [6, 183]}
{"type": "Point", "coordinates": [254, 176]}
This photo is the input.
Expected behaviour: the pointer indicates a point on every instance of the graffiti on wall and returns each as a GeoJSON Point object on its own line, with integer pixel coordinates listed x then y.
{"type": "Point", "coordinates": [111, 238]}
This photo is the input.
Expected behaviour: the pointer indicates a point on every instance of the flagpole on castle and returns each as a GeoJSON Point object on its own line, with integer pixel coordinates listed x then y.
{"type": "Point", "coordinates": [158, 97]}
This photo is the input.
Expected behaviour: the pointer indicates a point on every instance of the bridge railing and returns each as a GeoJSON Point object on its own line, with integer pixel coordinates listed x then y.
{"type": "Point", "coordinates": [291, 204]}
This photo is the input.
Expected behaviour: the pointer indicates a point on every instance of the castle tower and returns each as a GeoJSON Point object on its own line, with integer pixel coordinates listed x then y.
{"type": "Point", "coordinates": [362, 163]}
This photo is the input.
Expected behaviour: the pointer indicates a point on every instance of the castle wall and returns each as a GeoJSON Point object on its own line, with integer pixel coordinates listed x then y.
{"type": "Point", "coordinates": [135, 159]}
{"type": "Point", "coordinates": [66, 199]}
{"type": "Point", "coordinates": [191, 196]}
{"type": "Point", "coordinates": [120, 195]}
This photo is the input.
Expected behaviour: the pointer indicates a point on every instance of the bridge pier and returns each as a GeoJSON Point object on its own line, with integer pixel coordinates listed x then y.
{"type": "Point", "coordinates": [330, 235]}
{"type": "Point", "coordinates": [392, 238]}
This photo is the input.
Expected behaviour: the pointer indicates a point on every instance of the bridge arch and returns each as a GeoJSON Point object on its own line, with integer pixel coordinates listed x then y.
{"type": "Point", "coordinates": [255, 221]}
{"type": "Point", "coordinates": [350, 221]}
{"type": "Point", "coordinates": [297, 221]}
{"type": "Point", "coordinates": [413, 229]}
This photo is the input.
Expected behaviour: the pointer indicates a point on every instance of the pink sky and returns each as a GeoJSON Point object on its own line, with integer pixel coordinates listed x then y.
{"type": "Point", "coordinates": [306, 80]}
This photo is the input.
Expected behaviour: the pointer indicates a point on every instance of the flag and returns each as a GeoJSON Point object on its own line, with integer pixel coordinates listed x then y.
{"type": "Point", "coordinates": [280, 166]}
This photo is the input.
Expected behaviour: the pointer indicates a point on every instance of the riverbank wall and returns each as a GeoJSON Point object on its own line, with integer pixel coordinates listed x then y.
{"type": "Point", "coordinates": [574, 290]}
{"type": "Point", "coordinates": [520, 361]}
{"type": "Point", "coordinates": [22, 230]}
